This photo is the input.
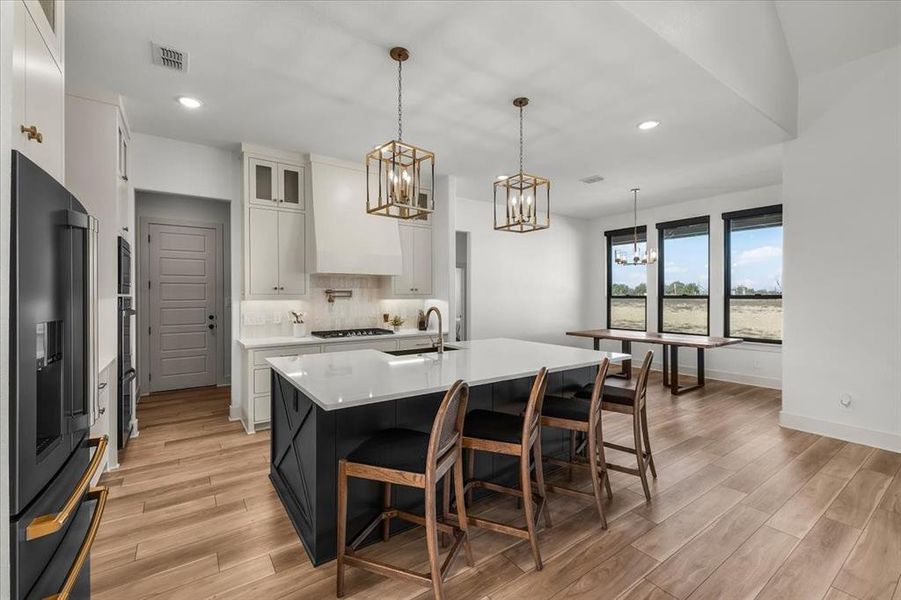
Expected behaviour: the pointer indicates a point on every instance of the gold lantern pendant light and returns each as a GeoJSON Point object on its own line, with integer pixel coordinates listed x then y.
{"type": "Point", "coordinates": [646, 258]}
{"type": "Point", "coordinates": [525, 200]}
{"type": "Point", "coordinates": [400, 177]}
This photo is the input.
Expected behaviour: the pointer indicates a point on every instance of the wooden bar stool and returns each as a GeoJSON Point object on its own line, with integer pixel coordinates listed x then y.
{"type": "Point", "coordinates": [578, 415]}
{"type": "Point", "coordinates": [413, 459]}
{"type": "Point", "coordinates": [511, 435]}
{"type": "Point", "coordinates": [630, 397]}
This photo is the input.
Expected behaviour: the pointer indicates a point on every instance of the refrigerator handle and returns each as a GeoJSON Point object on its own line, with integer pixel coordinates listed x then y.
{"type": "Point", "coordinates": [93, 331]}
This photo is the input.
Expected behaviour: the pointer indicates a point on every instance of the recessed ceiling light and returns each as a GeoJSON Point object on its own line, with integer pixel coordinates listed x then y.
{"type": "Point", "coordinates": [189, 102]}
{"type": "Point", "coordinates": [645, 125]}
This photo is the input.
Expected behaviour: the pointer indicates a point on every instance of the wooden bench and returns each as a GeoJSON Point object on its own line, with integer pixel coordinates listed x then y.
{"type": "Point", "coordinates": [671, 343]}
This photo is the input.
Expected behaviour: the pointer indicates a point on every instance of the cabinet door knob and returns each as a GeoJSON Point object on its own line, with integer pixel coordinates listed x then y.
{"type": "Point", "coordinates": [281, 287]}
{"type": "Point", "coordinates": [275, 287]}
{"type": "Point", "coordinates": [33, 133]}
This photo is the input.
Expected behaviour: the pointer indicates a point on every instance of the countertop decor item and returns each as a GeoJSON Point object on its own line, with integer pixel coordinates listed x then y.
{"type": "Point", "coordinates": [397, 322]}
{"type": "Point", "coordinates": [298, 326]}
{"type": "Point", "coordinates": [422, 324]}
{"type": "Point", "coordinates": [400, 176]}
{"type": "Point", "coordinates": [637, 258]}
{"type": "Point", "coordinates": [525, 200]}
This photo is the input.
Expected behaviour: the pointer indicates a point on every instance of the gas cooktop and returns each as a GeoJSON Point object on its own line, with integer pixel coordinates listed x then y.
{"type": "Point", "coordinates": [343, 333]}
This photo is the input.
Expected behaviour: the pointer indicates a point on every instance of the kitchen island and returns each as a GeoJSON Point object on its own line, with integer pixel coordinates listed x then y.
{"type": "Point", "coordinates": [324, 405]}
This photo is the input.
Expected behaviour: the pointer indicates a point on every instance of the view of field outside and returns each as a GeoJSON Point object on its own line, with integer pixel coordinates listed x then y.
{"type": "Point", "coordinates": [756, 269]}
{"type": "Point", "coordinates": [756, 248]}
{"type": "Point", "coordinates": [685, 274]}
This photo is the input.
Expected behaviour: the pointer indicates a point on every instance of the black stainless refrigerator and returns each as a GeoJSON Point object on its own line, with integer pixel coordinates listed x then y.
{"type": "Point", "coordinates": [54, 511]}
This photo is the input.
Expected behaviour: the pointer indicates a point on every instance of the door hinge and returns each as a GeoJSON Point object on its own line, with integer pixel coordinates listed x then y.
{"type": "Point", "coordinates": [148, 331]}
{"type": "Point", "coordinates": [148, 284]}
{"type": "Point", "coordinates": [149, 376]}
{"type": "Point", "coordinates": [148, 238]}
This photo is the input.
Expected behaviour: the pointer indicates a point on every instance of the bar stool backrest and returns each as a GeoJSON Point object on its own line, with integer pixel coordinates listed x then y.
{"type": "Point", "coordinates": [447, 429]}
{"type": "Point", "coordinates": [533, 409]}
{"type": "Point", "coordinates": [597, 394]}
{"type": "Point", "coordinates": [641, 385]}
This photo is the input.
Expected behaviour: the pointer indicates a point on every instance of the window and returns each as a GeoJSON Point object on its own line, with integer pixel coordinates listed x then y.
{"type": "Point", "coordinates": [627, 287]}
{"type": "Point", "coordinates": [753, 274]}
{"type": "Point", "coordinates": [683, 276]}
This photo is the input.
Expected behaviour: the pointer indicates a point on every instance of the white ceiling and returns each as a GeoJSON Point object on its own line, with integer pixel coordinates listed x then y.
{"type": "Point", "coordinates": [822, 34]}
{"type": "Point", "coordinates": [316, 77]}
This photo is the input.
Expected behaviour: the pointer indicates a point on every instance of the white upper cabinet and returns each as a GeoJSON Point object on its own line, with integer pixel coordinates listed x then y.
{"type": "Point", "coordinates": [38, 88]}
{"type": "Point", "coordinates": [275, 248]}
{"type": "Point", "coordinates": [290, 187]}
{"type": "Point", "coordinates": [278, 184]}
{"type": "Point", "coordinates": [416, 253]}
{"type": "Point", "coordinates": [263, 182]}
{"type": "Point", "coordinates": [261, 260]}
{"type": "Point", "coordinates": [292, 279]}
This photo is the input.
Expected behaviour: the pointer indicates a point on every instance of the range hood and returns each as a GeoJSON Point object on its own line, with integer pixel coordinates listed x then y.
{"type": "Point", "coordinates": [346, 239]}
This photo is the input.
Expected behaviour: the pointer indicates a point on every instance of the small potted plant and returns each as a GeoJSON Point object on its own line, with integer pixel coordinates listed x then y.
{"type": "Point", "coordinates": [396, 322]}
{"type": "Point", "coordinates": [299, 327]}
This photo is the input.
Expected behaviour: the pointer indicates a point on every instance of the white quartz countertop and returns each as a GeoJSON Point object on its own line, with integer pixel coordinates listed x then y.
{"type": "Point", "coordinates": [346, 379]}
{"type": "Point", "coordinates": [272, 342]}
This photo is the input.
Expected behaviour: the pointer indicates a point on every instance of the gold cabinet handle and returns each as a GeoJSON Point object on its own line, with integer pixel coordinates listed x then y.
{"type": "Point", "coordinates": [99, 494]}
{"type": "Point", "coordinates": [53, 522]}
{"type": "Point", "coordinates": [33, 133]}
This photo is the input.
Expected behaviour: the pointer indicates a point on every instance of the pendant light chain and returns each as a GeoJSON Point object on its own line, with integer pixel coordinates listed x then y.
{"type": "Point", "coordinates": [635, 220]}
{"type": "Point", "coordinates": [520, 139]}
{"type": "Point", "coordinates": [400, 110]}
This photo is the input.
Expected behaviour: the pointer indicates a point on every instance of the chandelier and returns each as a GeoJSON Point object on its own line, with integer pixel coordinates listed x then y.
{"type": "Point", "coordinates": [646, 258]}
{"type": "Point", "coordinates": [400, 176]}
{"type": "Point", "coordinates": [525, 200]}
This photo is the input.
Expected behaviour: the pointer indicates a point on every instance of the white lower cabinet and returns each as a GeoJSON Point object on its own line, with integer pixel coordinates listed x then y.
{"type": "Point", "coordinates": [256, 413]}
{"type": "Point", "coordinates": [256, 408]}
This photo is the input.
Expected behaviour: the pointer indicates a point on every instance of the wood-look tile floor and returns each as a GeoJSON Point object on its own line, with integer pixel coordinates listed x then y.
{"type": "Point", "coordinates": [741, 509]}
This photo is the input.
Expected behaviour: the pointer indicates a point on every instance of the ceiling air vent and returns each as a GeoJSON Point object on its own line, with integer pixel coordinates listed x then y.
{"type": "Point", "coordinates": [592, 179]}
{"type": "Point", "coordinates": [169, 58]}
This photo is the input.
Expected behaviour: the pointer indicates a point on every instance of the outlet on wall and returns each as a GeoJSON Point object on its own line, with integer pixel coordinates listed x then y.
{"type": "Point", "coordinates": [845, 400]}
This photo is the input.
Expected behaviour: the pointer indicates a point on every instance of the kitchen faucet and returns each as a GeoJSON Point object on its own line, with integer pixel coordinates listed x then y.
{"type": "Point", "coordinates": [439, 347]}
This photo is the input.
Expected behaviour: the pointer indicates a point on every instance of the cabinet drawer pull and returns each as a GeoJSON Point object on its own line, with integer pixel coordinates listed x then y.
{"type": "Point", "coordinates": [33, 133]}
{"type": "Point", "coordinates": [99, 494]}
{"type": "Point", "coordinates": [53, 522]}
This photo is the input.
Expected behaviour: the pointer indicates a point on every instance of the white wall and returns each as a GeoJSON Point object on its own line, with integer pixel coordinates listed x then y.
{"type": "Point", "coordinates": [185, 209]}
{"type": "Point", "coordinates": [756, 364]}
{"type": "Point", "coordinates": [176, 167]}
{"type": "Point", "coordinates": [529, 286]}
{"type": "Point", "coordinates": [842, 264]}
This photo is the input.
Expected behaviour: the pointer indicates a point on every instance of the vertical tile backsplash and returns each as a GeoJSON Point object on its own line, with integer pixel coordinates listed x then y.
{"type": "Point", "coordinates": [264, 318]}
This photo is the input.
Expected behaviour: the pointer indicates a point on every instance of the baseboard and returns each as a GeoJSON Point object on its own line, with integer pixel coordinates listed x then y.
{"type": "Point", "coordinates": [730, 376]}
{"type": "Point", "coordinates": [849, 433]}
{"type": "Point", "coordinates": [234, 413]}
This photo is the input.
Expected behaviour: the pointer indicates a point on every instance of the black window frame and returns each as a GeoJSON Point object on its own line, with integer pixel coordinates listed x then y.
{"type": "Point", "coordinates": [609, 235]}
{"type": "Point", "coordinates": [661, 261]}
{"type": "Point", "coordinates": [727, 266]}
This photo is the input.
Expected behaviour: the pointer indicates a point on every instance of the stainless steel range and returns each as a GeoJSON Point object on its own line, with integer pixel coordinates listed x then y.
{"type": "Point", "coordinates": [344, 333]}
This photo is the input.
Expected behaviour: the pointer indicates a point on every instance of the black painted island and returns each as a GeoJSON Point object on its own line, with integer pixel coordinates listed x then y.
{"type": "Point", "coordinates": [324, 405]}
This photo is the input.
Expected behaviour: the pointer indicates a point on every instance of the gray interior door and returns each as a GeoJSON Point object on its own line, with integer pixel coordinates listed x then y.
{"type": "Point", "coordinates": [183, 301]}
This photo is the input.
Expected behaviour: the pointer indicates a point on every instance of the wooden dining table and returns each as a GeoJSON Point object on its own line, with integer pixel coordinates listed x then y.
{"type": "Point", "coordinates": [671, 342]}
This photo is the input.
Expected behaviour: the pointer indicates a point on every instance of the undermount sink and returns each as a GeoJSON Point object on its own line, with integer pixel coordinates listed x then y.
{"type": "Point", "coordinates": [411, 351]}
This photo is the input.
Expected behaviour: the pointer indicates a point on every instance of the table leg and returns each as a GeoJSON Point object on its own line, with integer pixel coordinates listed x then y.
{"type": "Point", "coordinates": [674, 370]}
{"type": "Point", "coordinates": [675, 388]}
{"type": "Point", "coordinates": [625, 348]}
{"type": "Point", "coordinates": [665, 365]}
{"type": "Point", "coordinates": [700, 367]}
{"type": "Point", "coordinates": [627, 364]}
